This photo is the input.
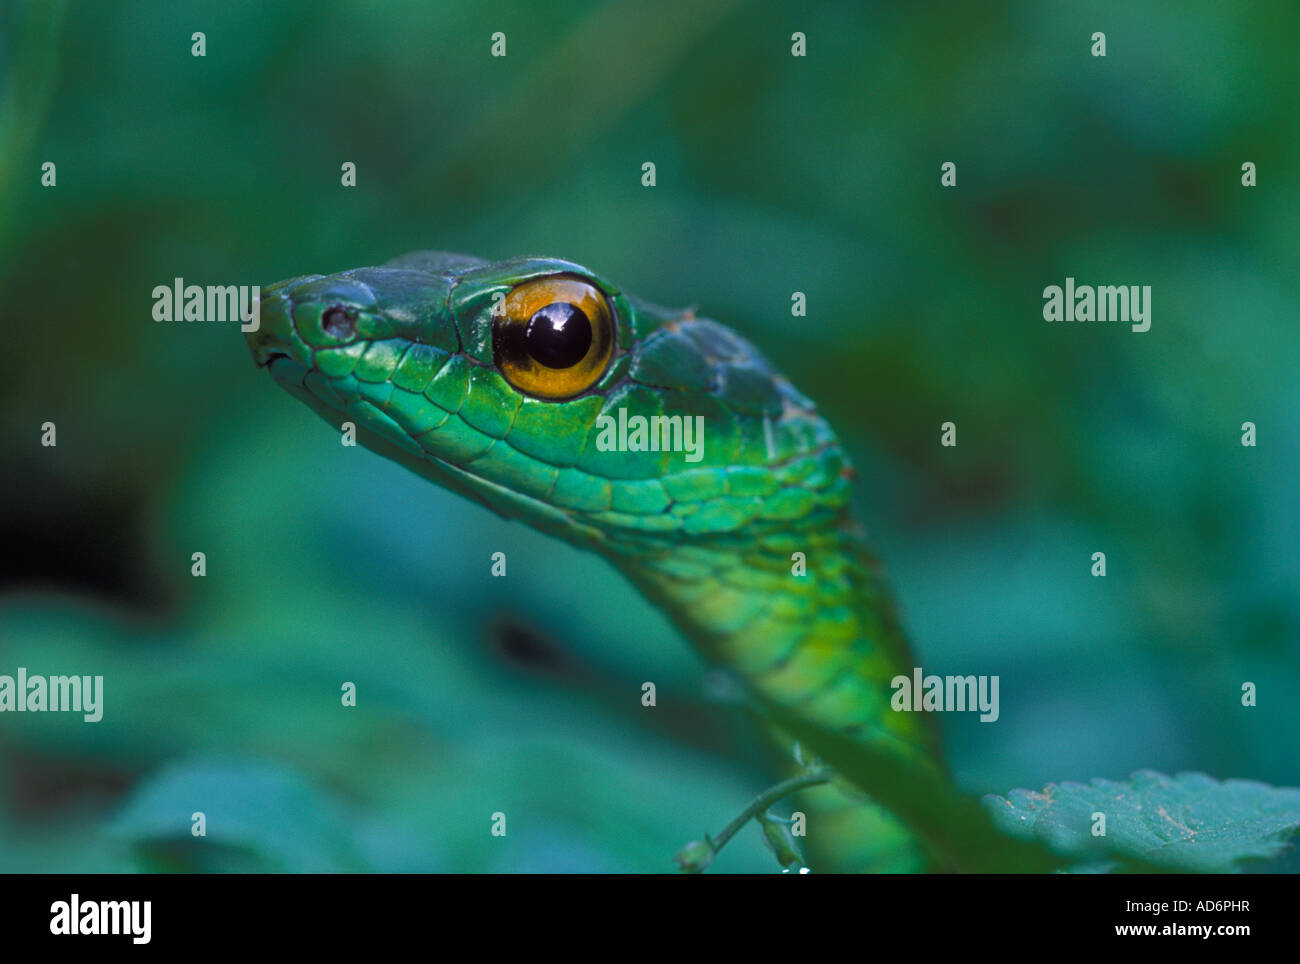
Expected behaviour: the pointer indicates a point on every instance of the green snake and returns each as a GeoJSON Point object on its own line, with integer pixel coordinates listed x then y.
{"type": "Point", "coordinates": [491, 380]}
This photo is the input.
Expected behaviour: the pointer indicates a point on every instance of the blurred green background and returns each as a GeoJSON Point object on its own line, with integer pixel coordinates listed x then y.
{"type": "Point", "coordinates": [775, 174]}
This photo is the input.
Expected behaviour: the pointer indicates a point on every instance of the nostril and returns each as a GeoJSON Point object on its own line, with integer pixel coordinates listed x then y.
{"type": "Point", "coordinates": [339, 322]}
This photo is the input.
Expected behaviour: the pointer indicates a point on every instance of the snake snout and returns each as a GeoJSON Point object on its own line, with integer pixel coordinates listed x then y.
{"type": "Point", "coordinates": [304, 316]}
{"type": "Point", "coordinates": [274, 335]}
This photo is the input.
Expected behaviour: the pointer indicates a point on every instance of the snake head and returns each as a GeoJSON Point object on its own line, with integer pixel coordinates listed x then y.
{"type": "Point", "coordinates": [536, 387]}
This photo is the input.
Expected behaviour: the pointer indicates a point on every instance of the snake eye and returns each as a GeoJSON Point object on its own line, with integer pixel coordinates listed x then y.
{"type": "Point", "coordinates": [553, 337]}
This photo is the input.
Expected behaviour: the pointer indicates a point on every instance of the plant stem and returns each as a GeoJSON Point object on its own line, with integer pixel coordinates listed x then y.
{"type": "Point", "coordinates": [768, 797]}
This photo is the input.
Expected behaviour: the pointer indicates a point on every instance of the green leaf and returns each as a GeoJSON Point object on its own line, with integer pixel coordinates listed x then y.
{"type": "Point", "coordinates": [1190, 822]}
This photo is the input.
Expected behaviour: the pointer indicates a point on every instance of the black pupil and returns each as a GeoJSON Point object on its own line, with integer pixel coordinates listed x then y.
{"type": "Point", "coordinates": [559, 335]}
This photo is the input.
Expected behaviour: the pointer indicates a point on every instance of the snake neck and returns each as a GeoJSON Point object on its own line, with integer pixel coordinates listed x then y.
{"type": "Point", "coordinates": [801, 616]}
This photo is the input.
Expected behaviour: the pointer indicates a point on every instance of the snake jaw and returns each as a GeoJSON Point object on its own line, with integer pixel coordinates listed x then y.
{"type": "Point", "coordinates": [266, 359]}
{"type": "Point", "coordinates": [273, 338]}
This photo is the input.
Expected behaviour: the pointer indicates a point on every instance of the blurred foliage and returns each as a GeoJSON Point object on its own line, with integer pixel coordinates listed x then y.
{"type": "Point", "coordinates": [775, 174]}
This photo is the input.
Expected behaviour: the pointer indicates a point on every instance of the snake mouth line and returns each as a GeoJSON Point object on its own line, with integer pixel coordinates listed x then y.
{"type": "Point", "coordinates": [470, 483]}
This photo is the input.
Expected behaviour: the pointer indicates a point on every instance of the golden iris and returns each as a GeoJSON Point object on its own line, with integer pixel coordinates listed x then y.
{"type": "Point", "coordinates": [553, 337]}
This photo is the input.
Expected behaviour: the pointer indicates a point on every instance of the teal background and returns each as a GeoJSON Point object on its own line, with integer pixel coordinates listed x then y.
{"type": "Point", "coordinates": [775, 174]}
